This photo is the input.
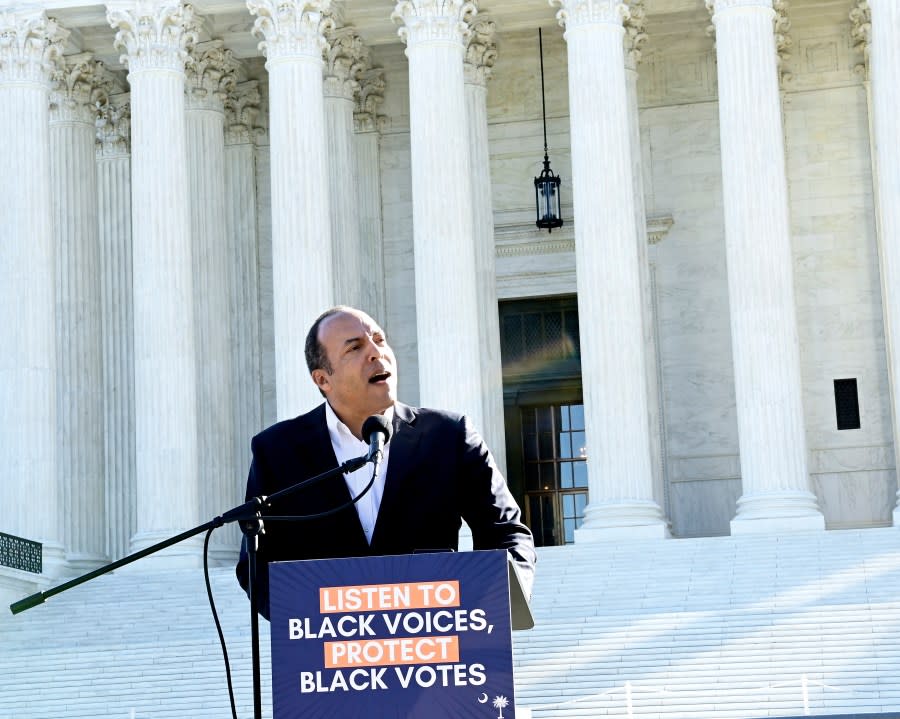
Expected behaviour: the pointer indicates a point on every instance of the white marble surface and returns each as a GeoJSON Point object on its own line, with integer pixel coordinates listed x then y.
{"type": "Point", "coordinates": [885, 71]}
{"type": "Point", "coordinates": [168, 494]}
{"type": "Point", "coordinates": [28, 421]}
{"type": "Point", "coordinates": [760, 283]}
{"type": "Point", "coordinates": [117, 316]}
{"type": "Point", "coordinates": [79, 379]}
{"type": "Point", "coordinates": [834, 252]}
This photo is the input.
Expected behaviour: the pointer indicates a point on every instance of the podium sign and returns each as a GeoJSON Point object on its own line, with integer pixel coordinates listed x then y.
{"type": "Point", "coordinates": [416, 636]}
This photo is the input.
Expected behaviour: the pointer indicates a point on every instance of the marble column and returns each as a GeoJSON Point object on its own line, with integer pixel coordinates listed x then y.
{"type": "Point", "coordinates": [367, 153]}
{"type": "Point", "coordinates": [301, 260]}
{"type": "Point", "coordinates": [210, 73]}
{"type": "Point", "coordinates": [444, 246]}
{"type": "Point", "coordinates": [155, 36]}
{"type": "Point", "coordinates": [79, 379]}
{"type": "Point", "coordinates": [345, 60]}
{"type": "Point", "coordinates": [29, 496]}
{"type": "Point", "coordinates": [241, 112]}
{"type": "Point", "coordinates": [481, 52]}
{"type": "Point", "coordinates": [117, 320]}
{"type": "Point", "coordinates": [884, 73]}
{"type": "Point", "coordinates": [635, 37]}
{"type": "Point", "coordinates": [610, 302]}
{"type": "Point", "coordinates": [775, 479]}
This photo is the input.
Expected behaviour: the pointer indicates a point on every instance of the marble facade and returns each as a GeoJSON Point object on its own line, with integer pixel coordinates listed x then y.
{"type": "Point", "coordinates": [222, 220]}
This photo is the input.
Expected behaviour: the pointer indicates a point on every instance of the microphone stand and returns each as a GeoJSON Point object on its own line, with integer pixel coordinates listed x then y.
{"type": "Point", "coordinates": [249, 516]}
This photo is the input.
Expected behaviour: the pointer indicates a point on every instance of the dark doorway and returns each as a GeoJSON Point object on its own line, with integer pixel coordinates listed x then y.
{"type": "Point", "coordinates": [545, 441]}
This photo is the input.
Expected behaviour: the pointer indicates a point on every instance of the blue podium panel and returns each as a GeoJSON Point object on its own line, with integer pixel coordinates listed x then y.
{"type": "Point", "coordinates": [417, 636]}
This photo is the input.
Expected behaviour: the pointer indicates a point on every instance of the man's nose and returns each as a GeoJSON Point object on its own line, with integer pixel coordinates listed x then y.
{"type": "Point", "coordinates": [375, 351]}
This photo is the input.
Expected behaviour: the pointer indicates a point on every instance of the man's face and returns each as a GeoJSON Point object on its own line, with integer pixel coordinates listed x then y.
{"type": "Point", "coordinates": [363, 378]}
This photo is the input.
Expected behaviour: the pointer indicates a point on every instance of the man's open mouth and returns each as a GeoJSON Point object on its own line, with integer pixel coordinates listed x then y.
{"type": "Point", "coordinates": [379, 377]}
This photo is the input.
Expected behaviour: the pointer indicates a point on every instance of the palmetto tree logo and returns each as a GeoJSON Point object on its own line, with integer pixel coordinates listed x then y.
{"type": "Point", "coordinates": [500, 702]}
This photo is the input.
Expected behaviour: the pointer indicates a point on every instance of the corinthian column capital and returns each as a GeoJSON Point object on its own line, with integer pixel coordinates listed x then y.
{"type": "Point", "coordinates": [155, 34]}
{"type": "Point", "coordinates": [861, 34]}
{"type": "Point", "coordinates": [290, 28]}
{"type": "Point", "coordinates": [114, 126]}
{"type": "Point", "coordinates": [575, 13]}
{"type": "Point", "coordinates": [481, 51]}
{"type": "Point", "coordinates": [242, 109]}
{"type": "Point", "coordinates": [30, 43]}
{"type": "Point", "coordinates": [346, 58]}
{"type": "Point", "coordinates": [370, 96]}
{"type": "Point", "coordinates": [433, 20]}
{"type": "Point", "coordinates": [635, 32]}
{"type": "Point", "coordinates": [79, 83]}
{"type": "Point", "coordinates": [211, 73]}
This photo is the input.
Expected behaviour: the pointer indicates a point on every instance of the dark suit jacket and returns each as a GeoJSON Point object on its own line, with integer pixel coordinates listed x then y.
{"type": "Point", "coordinates": [439, 471]}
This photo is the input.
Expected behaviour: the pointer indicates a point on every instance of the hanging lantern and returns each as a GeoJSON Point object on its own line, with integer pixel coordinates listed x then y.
{"type": "Point", "coordinates": [546, 185]}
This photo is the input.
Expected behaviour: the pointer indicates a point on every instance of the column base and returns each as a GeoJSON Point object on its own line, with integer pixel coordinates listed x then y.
{"type": "Point", "coordinates": [777, 513]}
{"type": "Point", "coordinates": [184, 555]}
{"type": "Point", "coordinates": [53, 562]}
{"type": "Point", "coordinates": [626, 519]}
{"type": "Point", "coordinates": [83, 562]}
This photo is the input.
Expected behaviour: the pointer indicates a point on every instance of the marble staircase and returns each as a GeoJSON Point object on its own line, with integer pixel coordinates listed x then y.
{"type": "Point", "coordinates": [730, 627]}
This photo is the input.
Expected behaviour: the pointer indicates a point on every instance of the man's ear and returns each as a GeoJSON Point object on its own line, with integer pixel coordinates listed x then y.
{"type": "Point", "coordinates": [320, 377]}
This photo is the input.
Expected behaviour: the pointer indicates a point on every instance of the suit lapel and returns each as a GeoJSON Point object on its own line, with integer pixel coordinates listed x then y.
{"type": "Point", "coordinates": [314, 451]}
{"type": "Point", "coordinates": [403, 444]}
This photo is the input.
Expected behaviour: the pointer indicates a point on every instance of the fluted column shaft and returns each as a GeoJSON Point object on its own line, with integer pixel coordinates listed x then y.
{"type": "Point", "coordinates": [117, 322]}
{"type": "Point", "coordinates": [634, 38]}
{"type": "Point", "coordinates": [609, 280]}
{"type": "Point", "coordinates": [765, 344]}
{"type": "Point", "coordinates": [446, 296]}
{"type": "Point", "coordinates": [154, 36]}
{"type": "Point", "coordinates": [243, 267]}
{"type": "Point", "coordinates": [480, 56]}
{"type": "Point", "coordinates": [884, 63]}
{"type": "Point", "coordinates": [79, 402]}
{"type": "Point", "coordinates": [210, 74]}
{"type": "Point", "coordinates": [367, 155]}
{"type": "Point", "coordinates": [344, 58]}
{"type": "Point", "coordinates": [301, 225]}
{"type": "Point", "coordinates": [27, 286]}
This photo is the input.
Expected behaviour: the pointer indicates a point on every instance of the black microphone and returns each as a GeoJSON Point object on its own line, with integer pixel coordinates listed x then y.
{"type": "Point", "coordinates": [376, 430]}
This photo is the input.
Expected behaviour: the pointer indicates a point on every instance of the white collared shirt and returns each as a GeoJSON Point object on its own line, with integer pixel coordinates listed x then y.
{"type": "Point", "coordinates": [346, 446]}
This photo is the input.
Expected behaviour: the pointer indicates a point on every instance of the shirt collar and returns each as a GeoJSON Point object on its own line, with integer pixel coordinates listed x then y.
{"type": "Point", "coordinates": [338, 430]}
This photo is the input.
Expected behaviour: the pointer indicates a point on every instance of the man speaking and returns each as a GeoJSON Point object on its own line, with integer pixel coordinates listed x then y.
{"type": "Point", "coordinates": [435, 470]}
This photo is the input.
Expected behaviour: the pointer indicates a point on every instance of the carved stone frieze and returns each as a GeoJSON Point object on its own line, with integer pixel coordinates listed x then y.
{"type": "Point", "coordinates": [861, 34]}
{"type": "Point", "coordinates": [211, 73]}
{"type": "Point", "coordinates": [114, 126]}
{"type": "Point", "coordinates": [425, 20]}
{"type": "Point", "coordinates": [635, 32]}
{"type": "Point", "coordinates": [155, 34]}
{"type": "Point", "coordinates": [78, 83]}
{"type": "Point", "coordinates": [573, 13]}
{"type": "Point", "coordinates": [783, 40]}
{"type": "Point", "coordinates": [346, 58]}
{"type": "Point", "coordinates": [781, 26]}
{"type": "Point", "coordinates": [30, 43]}
{"type": "Point", "coordinates": [290, 28]}
{"type": "Point", "coordinates": [481, 51]}
{"type": "Point", "coordinates": [370, 96]}
{"type": "Point", "coordinates": [242, 107]}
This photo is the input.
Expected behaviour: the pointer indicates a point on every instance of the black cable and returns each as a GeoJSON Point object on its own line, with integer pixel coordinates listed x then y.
{"type": "Point", "coordinates": [304, 517]}
{"type": "Point", "coordinates": [212, 606]}
{"type": "Point", "coordinates": [209, 594]}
